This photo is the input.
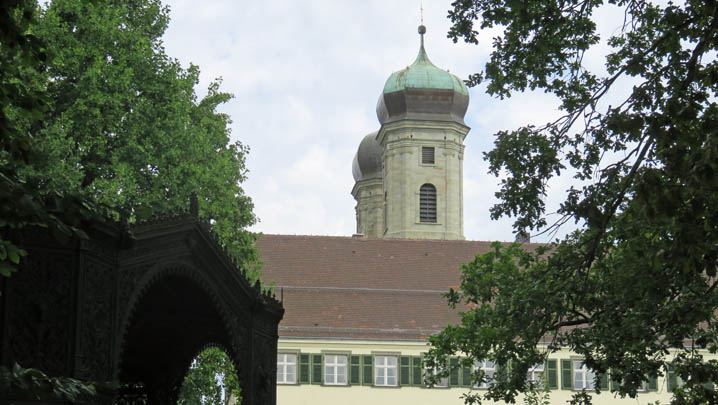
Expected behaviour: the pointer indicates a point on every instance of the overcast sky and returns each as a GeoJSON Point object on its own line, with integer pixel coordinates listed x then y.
{"type": "Point", "coordinates": [306, 76]}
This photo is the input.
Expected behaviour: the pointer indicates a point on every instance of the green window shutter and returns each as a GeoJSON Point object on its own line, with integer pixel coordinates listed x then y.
{"type": "Point", "coordinates": [652, 383]}
{"type": "Point", "coordinates": [355, 370]}
{"type": "Point", "coordinates": [367, 370]}
{"type": "Point", "coordinates": [551, 374]}
{"type": "Point", "coordinates": [416, 371]}
{"type": "Point", "coordinates": [466, 376]}
{"type": "Point", "coordinates": [317, 373]}
{"type": "Point", "coordinates": [304, 373]}
{"type": "Point", "coordinates": [672, 379]}
{"type": "Point", "coordinates": [453, 372]}
{"type": "Point", "coordinates": [603, 381]}
{"type": "Point", "coordinates": [405, 370]}
{"type": "Point", "coordinates": [566, 375]}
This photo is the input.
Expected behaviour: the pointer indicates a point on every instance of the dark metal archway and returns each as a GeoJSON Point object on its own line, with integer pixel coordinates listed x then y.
{"type": "Point", "coordinates": [135, 307]}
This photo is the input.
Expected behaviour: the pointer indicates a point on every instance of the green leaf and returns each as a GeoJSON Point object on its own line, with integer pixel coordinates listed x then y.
{"type": "Point", "coordinates": [6, 269]}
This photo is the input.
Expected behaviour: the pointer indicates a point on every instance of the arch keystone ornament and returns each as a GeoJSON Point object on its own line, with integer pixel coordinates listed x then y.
{"type": "Point", "coordinates": [134, 305]}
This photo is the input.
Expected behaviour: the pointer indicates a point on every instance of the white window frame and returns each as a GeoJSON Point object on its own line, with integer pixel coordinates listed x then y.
{"type": "Point", "coordinates": [338, 364]}
{"type": "Point", "coordinates": [536, 373]}
{"type": "Point", "coordinates": [489, 368]}
{"type": "Point", "coordinates": [284, 364]}
{"type": "Point", "coordinates": [383, 370]}
{"type": "Point", "coordinates": [587, 376]}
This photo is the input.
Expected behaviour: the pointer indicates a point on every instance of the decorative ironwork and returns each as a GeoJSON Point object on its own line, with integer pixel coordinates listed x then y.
{"type": "Point", "coordinates": [133, 305]}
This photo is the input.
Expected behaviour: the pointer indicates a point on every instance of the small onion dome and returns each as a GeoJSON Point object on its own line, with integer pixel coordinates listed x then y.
{"type": "Point", "coordinates": [423, 90]}
{"type": "Point", "coordinates": [367, 161]}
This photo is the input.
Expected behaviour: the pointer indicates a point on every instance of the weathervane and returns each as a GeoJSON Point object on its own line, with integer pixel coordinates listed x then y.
{"type": "Point", "coordinates": [421, 9]}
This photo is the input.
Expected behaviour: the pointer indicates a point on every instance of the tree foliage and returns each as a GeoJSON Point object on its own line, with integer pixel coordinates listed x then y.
{"type": "Point", "coordinates": [41, 386]}
{"type": "Point", "coordinates": [95, 114]}
{"type": "Point", "coordinates": [634, 287]}
{"type": "Point", "coordinates": [97, 121]}
{"type": "Point", "coordinates": [23, 103]}
{"type": "Point", "coordinates": [125, 127]}
{"type": "Point", "coordinates": [211, 380]}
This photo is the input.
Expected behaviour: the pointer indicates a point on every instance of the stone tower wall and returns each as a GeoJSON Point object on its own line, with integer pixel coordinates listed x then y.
{"type": "Point", "coordinates": [369, 195]}
{"type": "Point", "coordinates": [404, 174]}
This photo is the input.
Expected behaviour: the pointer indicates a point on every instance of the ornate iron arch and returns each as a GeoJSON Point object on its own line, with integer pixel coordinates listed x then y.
{"type": "Point", "coordinates": [70, 307]}
{"type": "Point", "coordinates": [198, 279]}
{"type": "Point", "coordinates": [155, 275]}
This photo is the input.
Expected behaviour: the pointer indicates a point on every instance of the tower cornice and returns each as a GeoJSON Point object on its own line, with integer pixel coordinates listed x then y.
{"type": "Point", "coordinates": [417, 125]}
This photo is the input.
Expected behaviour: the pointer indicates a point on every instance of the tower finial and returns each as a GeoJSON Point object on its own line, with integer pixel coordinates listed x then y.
{"type": "Point", "coordinates": [422, 28]}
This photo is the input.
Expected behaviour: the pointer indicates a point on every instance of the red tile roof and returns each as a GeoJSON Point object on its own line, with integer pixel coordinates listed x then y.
{"type": "Point", "coordinates": [345, 287]}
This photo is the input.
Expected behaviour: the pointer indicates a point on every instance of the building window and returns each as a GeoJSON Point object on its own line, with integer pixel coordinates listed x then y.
{"type": "Point", "coordinates": [673, 380]}
{"type": "Point", "coordinates": [385, 371]}
{"type": "Point", "coordinates": [286, 368]}
{"type": "Point", "coordinates": [441, 383]}
{"type": "Point", "coordinates": [489, 369]}
{"type": "Point", "coordinates": [335, 369]}
{"type": "Point", "coordinates": [427, 155]}
{"type": "Point", "coordinates": [427, 203]}
{"type": "Point", "coordinates": [535, 374]}
{"type": "Point", "coordinates": [583, 378]}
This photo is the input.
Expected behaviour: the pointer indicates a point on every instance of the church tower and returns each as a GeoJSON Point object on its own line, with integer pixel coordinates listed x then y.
{"type": "Point", "coordinates": [420, 149]}
{"type": "Point", "coordinates": [369, 188]}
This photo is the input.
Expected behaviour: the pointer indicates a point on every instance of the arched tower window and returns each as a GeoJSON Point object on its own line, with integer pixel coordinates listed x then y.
{"type": "Point", "coordinates": [427, 203]}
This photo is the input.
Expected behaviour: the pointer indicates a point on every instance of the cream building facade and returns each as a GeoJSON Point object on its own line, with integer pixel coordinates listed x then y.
{"type": "Point", "coordinates": [419, 394]}
{"type": "Point", "coordinates": [359, 309]}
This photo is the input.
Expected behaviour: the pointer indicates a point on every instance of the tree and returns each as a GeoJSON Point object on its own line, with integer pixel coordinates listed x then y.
{"type": "Point", "coordinates": [23, 58]}
{"type": "Point", "coordinates": [22, 104]}
{"type": "Point", "coordinates": [211, 379]}
{"type": "Point", "coordinates": [96, 118]}
{"type": "Point", "coordinates": [97, 121]}
{"type": "Point", "coordinates": [634, 287]}
{"type": "Point", "coordinates": [125, 128]}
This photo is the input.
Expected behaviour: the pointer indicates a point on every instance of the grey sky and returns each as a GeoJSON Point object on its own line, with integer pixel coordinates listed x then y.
{"type": "Point", "coordinates": [306, 76]}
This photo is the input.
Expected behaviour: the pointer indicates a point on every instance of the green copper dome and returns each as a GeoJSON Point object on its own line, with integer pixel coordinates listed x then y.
{"type": "Point", "coordinates": [422, 74]}
{"type": "Point", "coordinates": [422, 91]}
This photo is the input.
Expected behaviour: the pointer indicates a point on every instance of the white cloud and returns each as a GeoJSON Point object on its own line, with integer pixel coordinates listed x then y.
{"type": "Point", "coordinates": [306, 77]}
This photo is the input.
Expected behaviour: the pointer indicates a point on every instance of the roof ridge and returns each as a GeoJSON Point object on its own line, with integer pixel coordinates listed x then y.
{"type": "Point", "coordinates": [368, 289]}
{"type": "Point", "coordinates": [382, 239]}
{"type": "Point", "coordinates": [363, 239]}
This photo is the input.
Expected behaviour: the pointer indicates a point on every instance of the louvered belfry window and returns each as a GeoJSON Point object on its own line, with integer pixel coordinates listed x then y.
{"type": "Point", "coordinates": [427, 155]}
{"type": "Point", "coordinates": [427, 203]}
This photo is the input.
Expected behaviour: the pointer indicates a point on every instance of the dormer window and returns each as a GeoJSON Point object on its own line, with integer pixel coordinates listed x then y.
{"type": "Point", "coordinates": [427, 203]}
{"type": "Point", "coordinates": [427, 155]}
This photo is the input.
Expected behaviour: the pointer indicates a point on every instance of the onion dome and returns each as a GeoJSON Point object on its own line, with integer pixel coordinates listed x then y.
{"type": "Point", "coordinates": [367, 161]}
{"type": "Point", "coordinates": [423, 90]}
